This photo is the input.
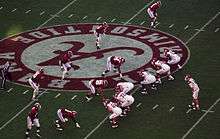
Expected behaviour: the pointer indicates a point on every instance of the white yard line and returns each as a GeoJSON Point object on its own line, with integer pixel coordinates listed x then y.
{"type": "Point", "coordinates": [202, 28]}
{"type": "Point", "coordinates": [16, 115]}
{"type": "Point", "coordinates": [200, 119]}
{"type": "Point", "coordinates": [73, 97]}
{"type": "Point", "coordinates": [25, 92]}
{"type": "Point", "coordinates": [155, 107]}
{"type": "Point", "coordinates": [57, 95]}
{"type": "Point", "coordinates": [139, 12]}
{"type": "Point", "coordinates": [57, 14]}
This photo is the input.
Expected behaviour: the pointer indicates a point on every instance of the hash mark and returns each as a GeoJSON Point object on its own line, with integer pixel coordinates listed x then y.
{"type": "Point", "coordinates": [188, 110]}
{"type": "Point", "coordinates": [99, 18]}
{"type": "Point", "coordinates": [186, 27]}
{"type": "Point", "coordinates": [25, 92]}
{"type": "Point", "coordinates": [171, 26]}
{"type": "Point", "coordinates": [207, 111]}
{"type": "Point", "coordinates": [28, 11]}
{"type": "Point", "coordinates": [70, 16]}
{"type": "Point", "coordinates": [42, 13]}
{"type": "Point", "coordinates": [157, 24]}
{"type": "Point", "coordinates": [13, 10]}
{"type": "Point", "coordinates": [1, 8]}
{"type": "Point", "coordinates": [113, 20]}
{"type": "Point", "coordinates": [171, 109]}
{"type": "Point", "coordinates": [85, 17]}
{"type": "Point", "coordinates": [155, 107]}
{"type": "Point", "coordinates": [73, 97]}
{"type": "Point", "coordinates": [57, 95]}
{"type": "Point", "coordinates": [138, 105]}
{"type": "Point", "coordinates": [199, 30]}
{"type": "Point", "coordinates": [142, 23]}
{"type": "Point", "coordinates": [10, 90]}
{"type": "Point", "coordinates": [217, 29]}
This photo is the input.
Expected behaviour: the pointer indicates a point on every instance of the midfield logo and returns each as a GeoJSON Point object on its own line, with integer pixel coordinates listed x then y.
{"type": "Point", "coordinates": [42, 48]}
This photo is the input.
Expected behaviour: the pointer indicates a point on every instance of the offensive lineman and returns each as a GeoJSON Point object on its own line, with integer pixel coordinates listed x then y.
{"type": "Point", "coordinates": [100, 30]}
{"type": "Point", "coordinates": [64, 115]}
{"type": "Point", "coordinates": [152, 12]}
{"type": "Point", "coordinates": [33, 120]}
{"type": "Point", "coordinates": [195, 91]}
{"type": "Point", "coordinates": [34, 82]}
{"type": "Point", "coordinates": [172, 57]}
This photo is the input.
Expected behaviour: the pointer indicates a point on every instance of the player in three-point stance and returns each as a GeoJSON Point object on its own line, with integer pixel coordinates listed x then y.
{"type": "Point", "coordinates": [96, 87]}
{"type": "Point", "coordinates": [148, 80]}
{"type": "Point", "coordinates": [65, 115]}
{"type": "Point", "coordinates": [114, 62]}
{"type": "Point", "coordinates": [33, 120]}
{"type": "Point", "coordinates": [172, 57]}
{"type": "Point", "coordinates": [152, 12]}
{"type": "Point", "coordinates": [100, 30]}
{"type": "Point", "coordinates": [195, 91]}
{"type": "Point", "coordinates": [5, 74]}
{"type": "Point", "coordinates": [34, 82]}
{"type": "Point", "coordinates": [65, 63]}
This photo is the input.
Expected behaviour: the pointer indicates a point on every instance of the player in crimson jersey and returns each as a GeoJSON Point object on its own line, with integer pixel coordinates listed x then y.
{"type": "Point", "coordinates": [115, 62]}
{"type": "Point", "coordinates": [65, 63]}
{"type": "Point", "coordinates": [96, 84]}
{"type": "Point", "coordinates": [33, 120]}
{"type": "Point", "coordinates": [152, 12]}
{"type": "Point", "coordinates": [64, 115]}
{"type": "Point", "coordinates": [114, 110]}
{"type": "Point", "coordinates": [195, 91]}
{"type": "Point", "coordinates": [172, 57]}
{"type": "Point", "coordinates": [100, 30]}
{"type": "Point", "coordinates": [34, 82]}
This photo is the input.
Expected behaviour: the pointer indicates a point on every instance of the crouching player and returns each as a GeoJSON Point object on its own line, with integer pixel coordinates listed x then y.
{"type": "Point", "coordinates": [96, 87]}
{"type": "Point", "coordinates": [195, 92]}
{"type": "Point", "coordinates": [148, 80]}
{"type": "Point", "coordinates": [64, 115]}
{"type": "Point", "coordinates": [33, 119]}
{"type": "Point", "coordinates": [172, 57]}
{"type": "Point", "coordinates": [114, 111]}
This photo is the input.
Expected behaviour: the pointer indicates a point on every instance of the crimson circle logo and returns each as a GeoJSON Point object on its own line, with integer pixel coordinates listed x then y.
{"type": "Point", "coordinates": [43, 47]}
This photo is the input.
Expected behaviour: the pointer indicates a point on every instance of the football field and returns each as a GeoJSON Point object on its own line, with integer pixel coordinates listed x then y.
{"type": "Point", "coordinates": [164, 114]}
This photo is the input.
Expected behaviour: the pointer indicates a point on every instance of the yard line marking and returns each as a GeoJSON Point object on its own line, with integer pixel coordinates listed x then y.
{"type": "Point", "coordinates": [199, 29]}
{"type": "Point", "coordinates": [91, 132]}
{"type": "Point", "coordinates": [113, 20]}
{"type": "Point", "coordinates": [54, 15]}
{"type": "Point", "coordinates": [217, 29]}
{"type": "Point", "coordinates": [206, 24]}
{"type": "Point", "coordinates": [9, 90]}
{"type": "Point", "coordinates": [48, 20]}
{"type": "Point", "coordinates": [186, 27]}
{"type": "Point", "coordinates": [42, 13]}
{"type": "Point", "coordinates": [171, 25]}
{"type": "Point", "coordinates": [138, 105]}
{"type": "Point", "coordinates": [142, 23]}
{"type": "Point", "coordinates": [57, 95]}
{"type": "Point", "coordinates": [70, 16]}
{"type": "Point", "coordinates": [188, 110]}
{"type": "Point", "coordinates": [200, 119]}
{"type": "Point", "coordinates": [139, 12]}
{"type": "Point", "coordinates": [207, 111]}
{"type": "Point", "coordinates": [171, 109]}
{"type": "Point", "coordinates": [85, 17]}
{"type": "Point", "coordinates": [155, 107]}
{"type": "Point", "coordinates": [13, 10]}
{"type": "Point", "coordinates": [25, 92]}
{"type": "Point", "coordinates": [28, 11]}
{"type": "Point", "coordinates": [73, 97]}
{"type": "Point", "coordinates": [1, 8]}
{"type": "Point", "coordinates": [10, 120]}
{"type": "Point", "coordinates": [99, 18]}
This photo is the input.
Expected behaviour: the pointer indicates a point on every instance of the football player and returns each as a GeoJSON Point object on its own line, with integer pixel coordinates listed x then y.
{"type": "Point", "coordinates": [115, 62]}
{"type": "Point", "coordinates": [64, 115]}
{"type": "Point", "coordinates": [100, 30]}
{"type": "Point", "coordinates": [65, 63]}
{"type": "Point", "coordinates": [147, 80]}
{"type": "Point", "coordinates": [162, 69]}
{"type": "Point", "coordinates": [172, 57]}
{"type": "Point", "coordinates": [114, 111]}
{"type": "Point", "coordinates": [5, 74]}
{"type": "Point", "coordinates": [125, 87]}
{"type": "Point", "coordinates": [33, 120]}
{"type": "Point", "coordinates": [96, 84]}
{"type": "Point", "coordinates": [152, 12]}
{"type": "Point", "coordinates": [34, 82]}
{"type": "Point", "coordinates": [195, 91]}
{"type": "Point", "coordinates": [124, 100]}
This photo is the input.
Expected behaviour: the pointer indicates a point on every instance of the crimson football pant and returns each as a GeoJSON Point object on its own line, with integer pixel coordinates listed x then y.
{"type": "Point", "coordinates": [3, 75]}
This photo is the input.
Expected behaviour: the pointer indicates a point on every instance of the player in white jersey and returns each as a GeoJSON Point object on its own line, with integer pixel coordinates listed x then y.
{"type": "Point", "coordinates": [125, 86]}
{"type": "Point", "coordinates": [173, 58]}
{"type": "Point", "coordinates": [162, 69]}
{"type": "Point", "coordinates": [195, 91]}
{"type": "Point", "coordinates": [147, 80]}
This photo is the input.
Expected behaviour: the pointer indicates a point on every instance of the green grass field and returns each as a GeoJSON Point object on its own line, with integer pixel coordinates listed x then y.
{"type": "Point", "coordinates": [195, 22]}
